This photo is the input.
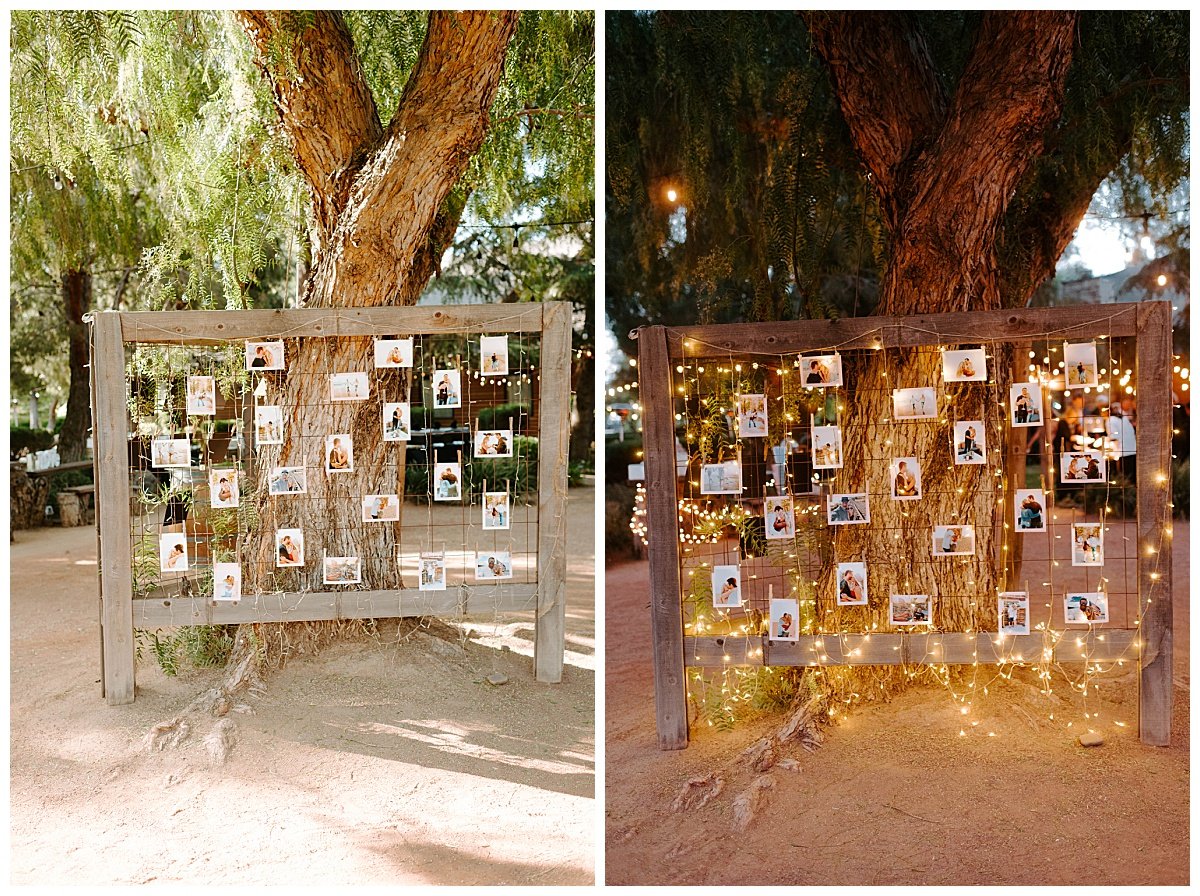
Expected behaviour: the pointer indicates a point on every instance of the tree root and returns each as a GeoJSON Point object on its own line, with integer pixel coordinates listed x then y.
{"type": "Point", "coordinates": [698, 791]}
{"type": "Point", "coordinates": [746, 806]}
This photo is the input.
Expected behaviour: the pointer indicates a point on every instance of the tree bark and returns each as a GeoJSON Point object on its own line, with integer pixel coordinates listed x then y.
{"type": "Point", "coordinates": [77, 301]}
{"type": "Point", "coordinates": [945, 169]}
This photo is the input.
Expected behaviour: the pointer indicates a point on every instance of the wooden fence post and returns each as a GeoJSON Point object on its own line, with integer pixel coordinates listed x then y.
{"type": "Point", "coordinates": [110, 440]}
{"type": "Point", "coordinates": [554, 429]}
{"type": "Point", "coordinates": [1154, 521]}
{"type": "Point", "coordinates": [662, 519]}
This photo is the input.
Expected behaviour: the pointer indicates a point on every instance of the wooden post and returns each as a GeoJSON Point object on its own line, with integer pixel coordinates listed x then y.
{"type": "Point", "coordinates": [554, 428]}
{"type": "Point", "coordinates": [1154, 521]}
{"type": "Point", "coordinates": [111, 448]}
{"type": "Point", "coordinates": [662, 519]}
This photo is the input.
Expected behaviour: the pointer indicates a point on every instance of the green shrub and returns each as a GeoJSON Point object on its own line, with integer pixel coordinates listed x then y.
{"type": "Point", "coordinates": [497, 417]}
{"type": "Point", "coordinates": [200, 646]}
{"type": "Point", "coordinates": [619, 455]}
{"type": "Point", "coordinates": [1180, 487]}
{"type": "Point", "coordinates": [518, 472]}
{"type": "Point", "coordinates": [34, 439]}
{"type": "Point", "coordinates": [619, 541]}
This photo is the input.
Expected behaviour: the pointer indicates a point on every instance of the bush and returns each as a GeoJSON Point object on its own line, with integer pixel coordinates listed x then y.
{"type": "Point", "coordinates": [497, 417]}
{"type": "Point", "coordinates": [33, 439]}
{"type": "Point", "coordinates": [619, 455]}
{"type": "Point", "coordinates": [1180, 488]}
{"type": "Point", "coordinates": [519, 472]}
{"type": "Point", "coordinates": [619, 541]}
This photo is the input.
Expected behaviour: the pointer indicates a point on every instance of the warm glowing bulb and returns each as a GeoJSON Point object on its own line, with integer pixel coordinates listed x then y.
{"type": "Point", "coordinates": [672, 195]}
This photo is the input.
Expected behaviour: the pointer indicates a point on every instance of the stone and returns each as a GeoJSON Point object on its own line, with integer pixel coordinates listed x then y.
{"type": "Point", "coordinates": [1091, 739]}
{"type": "Point", "coordinates": [497, 678]}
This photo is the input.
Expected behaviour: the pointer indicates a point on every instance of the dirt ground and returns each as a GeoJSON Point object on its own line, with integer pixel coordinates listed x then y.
{"type": "Point", "coordinates": [896, 796]}
{"type": "Point", "coordinates": [383, 761]}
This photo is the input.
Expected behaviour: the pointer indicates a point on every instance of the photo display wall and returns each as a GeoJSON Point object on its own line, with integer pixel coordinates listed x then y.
{"type": "Point", "coordinates": [413, 469]}
{"type": "Point", "coordinates": [968, 487]}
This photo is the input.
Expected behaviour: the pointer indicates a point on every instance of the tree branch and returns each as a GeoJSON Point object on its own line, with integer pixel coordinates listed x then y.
{"type": "Point", "coordinates": [889, 95]}
{"type": "Point", "coordinates": [392, 231]}
{"type": "Point", "coordinates": [324, 104]}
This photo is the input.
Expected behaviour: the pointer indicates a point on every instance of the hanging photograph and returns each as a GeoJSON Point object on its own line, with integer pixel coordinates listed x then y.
{"type": "Point", "coordinates": [964, 366]}
{"type": "Point", "coordinates": [493, 565]}
{"type": "Point", "coordinates": [289, 547]}
{"type": "Point", "coordinates": [493, 355]}
{"type": "Point", "coordinates": [349, 387]}
{"type": "Point", "coordinates": [721, 479]}
{"type": "Point", "coordinates": [905, 476]}
{"type": "Point", "coordinates": [494, 443]}
{"type": "Point", "coordinates": [970, 444]}
{"type": "Point", "coordinates": [227, 582]}
{"type": "Point", "coordinates": [172, 552]}
{"type": "Point", "coordinates": [1085, 608]}
{"type": "Point", "coordinates": [1079, 361]}
{"type": "Point", "coordinates": [495, 510]}
{"type": "Point", "coordinates": [848, 509]}
{"type": "Point", "coordinates": [821, 371]}
{"type": "Point", "coordinates": [287, 481]}
{"type": "Point", "coordinates": [381, 509]}
{"type": "Point", "coordinates": [1030, 508]}
{"type": "Point", "coordinates": [954, 541]}
{"type": "Point", "coordinates": [780, 518]}
{"type": "Point", "coordinates": [339, 453]}
{"type": "Point", "coordinates": [223, 487]}
{"type": "Point", "coordinates": [827, 447]}
{"type": "Point", "coordinates": [264, 355]}
{"type": "Point", "coordinates": [1087, 544]}
{"type": "Point", "coordinates": [447, 389]}
{"type": "Point", "coordinates": [785, 619]}
{"type": "Point", "coordinates": [393, 353]}
{"type": "Point", "coordinates": [1025, 403]}
{"type": "Point", "coordinates": [447, 482]}
{"type": "Point", "coordinates": [910, 609]}
{"type": "Point", "coordinates": [752, 416]}
{"type": "Point", "coordinates": [202, 396]}
{"type": "Point", "coordinates": [268, 424]}
{"type": "Point", "coordinates": [397, 421]}
{"type": "Point", "coordinates": [1081, 466]}
{"type": "Point", "coordinates": [726, 587]}
{"type": "Point", "coordinates": [1014, 613]}
{"type": "Point", "coordinates": [852, 584]}
{"type": "Point", "coordinates": [915, 404]}
{"type": "Point", "coordinates": [171, 453]}
{"type": "Point", "coordinates": [431, 571]}
{"type": "Point", "coordinates": [341, 571]}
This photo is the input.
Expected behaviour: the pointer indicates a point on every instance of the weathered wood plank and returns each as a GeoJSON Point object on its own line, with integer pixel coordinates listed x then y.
{"type": "Point", "coordinates": [666, 609]}
{"type": "Point", "coordinates": [110, 445]}
{"type": "Point", "coordinates": [791, 337]}
{"type": "Point", "coordinates": [484, 600]}
{"type": "Point", "coordinates": [207, 327]}
{"type": "Point", "coordinates": [1154, 521]}
{"type": "Point", "coordinates": [554, 429]}
{"type": "Point", "coordinates": [894, 649]}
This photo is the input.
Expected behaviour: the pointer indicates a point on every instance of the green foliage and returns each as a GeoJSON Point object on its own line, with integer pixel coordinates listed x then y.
{"type": "Point", "coordinates": [22, 437]}
{"type": "Point", "coordinates": [498, 416]}
{"type": "Point", "coordinates": [735, 694]}
{"type": "Point", "coordinates": [198, 646]}
{"type": "Point", "coordinates": [1181, 486]}
{"type": "Point", "coordinates": [518, 473]}
{"type": "Point", "coordinates": [619, 541]}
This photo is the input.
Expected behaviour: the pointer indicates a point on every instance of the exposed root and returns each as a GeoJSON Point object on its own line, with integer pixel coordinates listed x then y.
{"type": "Point", "coordinates": [219, 741]}
{"type": "Point", "coordinates": [698, 791]}
{"type": "Point", "coordinates": [746, 806]}
{"type": "Point", "coordinates": [167, 734]}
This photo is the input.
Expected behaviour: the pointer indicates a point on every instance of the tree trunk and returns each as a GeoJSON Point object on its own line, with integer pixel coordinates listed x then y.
{"type": "Point", "coordinates": [77, 301]}
{"type": "Point", "coordinates": [944, 169]}
{"type": "Point", "coordinates": [583, 385]}
{"type": "Point", "coordinates": [382, 216]}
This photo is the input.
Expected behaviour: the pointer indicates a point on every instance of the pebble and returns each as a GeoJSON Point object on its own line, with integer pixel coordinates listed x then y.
{"type": "Point", "coordinates": [1091, 739]}
{"type": "Point", "coordinates": [497, 678]}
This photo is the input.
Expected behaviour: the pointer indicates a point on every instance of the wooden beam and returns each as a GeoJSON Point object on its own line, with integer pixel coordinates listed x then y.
{"type": "Point", "coordinates": [1156, 688]}
{"type": "Point", "coordinates": [110, 441]}
{"type": "Point", "coordinates": [666, 607]}
{"type": "Point", "coordinates": [215, 327]}
{"type": "Point", "coordinates": [895, 649]}
{"type": "Point", "coordinates": [481, 600]}
{"type": "Point", "coordinates": [1004, 325]}
{"type": "Point", "coordinates": [554, 429]}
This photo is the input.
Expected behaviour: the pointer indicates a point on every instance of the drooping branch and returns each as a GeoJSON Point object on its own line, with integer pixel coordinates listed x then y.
{"type": "Point", "coordinates": [884, 78]}
{"type": "Point", "coordinates": [324, 103]}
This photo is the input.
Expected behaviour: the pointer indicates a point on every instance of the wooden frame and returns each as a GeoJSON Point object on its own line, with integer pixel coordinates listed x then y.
{"type": "Point", "coordinates": [120, 614]}
{"type": "Point", "coordinates": [661, 348]}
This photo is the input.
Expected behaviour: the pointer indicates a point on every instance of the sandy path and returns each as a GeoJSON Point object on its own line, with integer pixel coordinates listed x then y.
{"type": "Point", "coordinates": [896, 796]}
{"type": "Point", "coordinates": [383, 761]}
